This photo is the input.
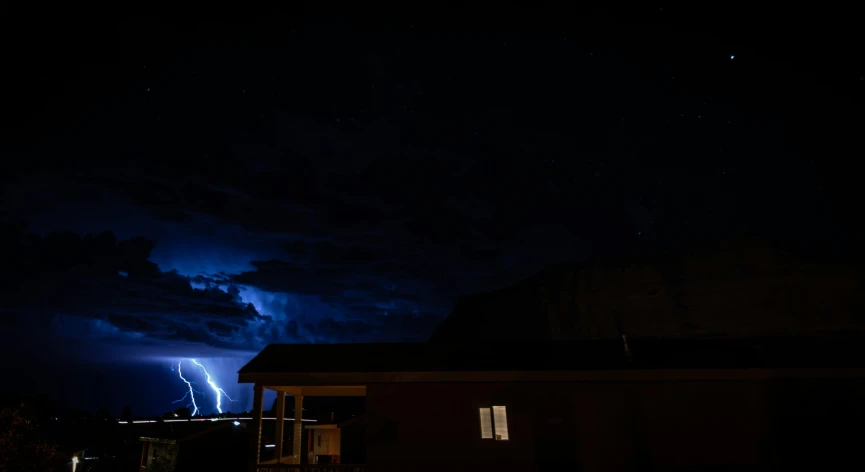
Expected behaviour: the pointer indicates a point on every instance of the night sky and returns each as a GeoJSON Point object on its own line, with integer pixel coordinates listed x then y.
{"type": "Point", "coordinates": [178, 185]}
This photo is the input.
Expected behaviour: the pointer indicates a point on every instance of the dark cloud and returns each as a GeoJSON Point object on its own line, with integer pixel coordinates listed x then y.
{"type": "Point", "coordinates": [330, 293]}
{"type": "Point", "coordinates": [100, 278]}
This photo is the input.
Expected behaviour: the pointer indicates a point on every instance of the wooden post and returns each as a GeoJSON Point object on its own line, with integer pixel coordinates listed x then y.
{"type": "Point", "coordinates": [142, 463]}
{"type": "Point", "coordinates": [255, 437]}
{"type": "Point", "coordinates": [280, 424]}
{"type": "Point", "coordinates": [298, 426]}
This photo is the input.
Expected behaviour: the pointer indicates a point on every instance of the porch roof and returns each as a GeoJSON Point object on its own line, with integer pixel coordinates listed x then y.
{"type": "Point", "coordinates": [717, 353]}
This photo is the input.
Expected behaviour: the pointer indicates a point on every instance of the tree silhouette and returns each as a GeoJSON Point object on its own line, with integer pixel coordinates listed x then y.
{"type": "Point", "coordinates": [21, 449]}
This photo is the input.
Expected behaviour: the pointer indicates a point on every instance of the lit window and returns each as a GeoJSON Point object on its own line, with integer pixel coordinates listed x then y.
{"type": "Point", "coordinates": [494, 423]}
{"type": "Point", "coordinates": [500, 419]}
{"type": "Point", "coordinates": [486, 424]}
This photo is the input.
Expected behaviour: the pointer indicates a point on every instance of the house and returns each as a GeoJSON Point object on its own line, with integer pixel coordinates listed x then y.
{"type": "Point", "coordinates": [579, 391]}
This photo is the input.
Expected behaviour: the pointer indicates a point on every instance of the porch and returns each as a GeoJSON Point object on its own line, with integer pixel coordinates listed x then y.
{"type": "Point", "coordinates": [321, 454]}
{"type": "Point", "coordinates": [310, 468]}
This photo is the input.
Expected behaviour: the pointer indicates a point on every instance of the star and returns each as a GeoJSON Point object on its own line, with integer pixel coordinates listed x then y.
{"type": "Point", "coordinates": [732, 57]}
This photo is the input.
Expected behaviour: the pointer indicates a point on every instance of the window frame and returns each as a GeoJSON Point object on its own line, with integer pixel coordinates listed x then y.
{"type": "Point", "coordinates": [478, 405]}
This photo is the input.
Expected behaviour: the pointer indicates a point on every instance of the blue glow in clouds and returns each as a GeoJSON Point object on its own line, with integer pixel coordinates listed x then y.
{"type": "Point", "coordinates": [219, 392]}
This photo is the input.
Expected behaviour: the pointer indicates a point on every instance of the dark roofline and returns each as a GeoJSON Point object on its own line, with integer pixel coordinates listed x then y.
{"type": "Point", "coordinates": [840, 351]}
{"type": "Point", "coordinates": [795, 252]}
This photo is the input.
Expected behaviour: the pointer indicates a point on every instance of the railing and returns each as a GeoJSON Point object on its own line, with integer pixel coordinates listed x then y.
{"type": "Point", "coordinates": [310, 468]}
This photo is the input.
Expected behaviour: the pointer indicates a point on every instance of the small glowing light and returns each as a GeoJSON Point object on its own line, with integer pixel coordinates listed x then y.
{"type": "Point", "coordinates": [74, 463]}
{"type": "Point", "coordinates": [175, 415]}
{"type": "Point", "coordinates": [270, 445]}
{"type": "Point", "coordinates": [732, 57]}
{"type": "Point", "coordinates": [237, 423]}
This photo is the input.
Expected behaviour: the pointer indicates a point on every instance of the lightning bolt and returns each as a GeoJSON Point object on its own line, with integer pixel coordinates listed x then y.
{"type": "Point", "coordinates": [219, 392]}
{"type": "Point", "coordinates": [191, 392]}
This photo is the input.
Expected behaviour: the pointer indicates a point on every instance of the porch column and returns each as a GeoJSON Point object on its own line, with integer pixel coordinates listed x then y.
{"type": "Point", "coordinates": [298, 426]}
{"type": "Point", "coordinates": [255, 437]}
{"type": "Point", "coordinates": [280, 423]}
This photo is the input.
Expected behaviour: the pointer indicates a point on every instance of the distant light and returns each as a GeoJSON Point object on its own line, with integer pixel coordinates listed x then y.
{"type": "Point", "coordinates": [284, 419]}
{"type": "Point", "coordinates": [732, 57]}
{"type": "Point", "coordinates": [122, 422]}
{"type": "Point", "coordinates": [270, 445]}
{"type": "Point", "coordinates": [74, 463]}
{"type": "Point", "coordinates": [175, 415]}
{"type": "Point", "coordinates": [237, 423]}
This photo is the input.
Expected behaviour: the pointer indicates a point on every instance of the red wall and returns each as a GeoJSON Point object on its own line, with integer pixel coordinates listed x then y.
{"type": "Point", "coordinates": [614, 425]}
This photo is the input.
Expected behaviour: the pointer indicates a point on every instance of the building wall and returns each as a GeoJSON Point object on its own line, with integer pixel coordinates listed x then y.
{"type": "Point", "coordinates": [615, 425]}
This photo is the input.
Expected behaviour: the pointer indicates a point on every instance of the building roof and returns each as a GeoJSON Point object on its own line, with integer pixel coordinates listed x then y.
{"type": "Point", "coordinates": [837, 351]}
{"type": "Point", "coordinates": [734, 304]}
{"type": "Point", "coordinates": [738, 288]}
